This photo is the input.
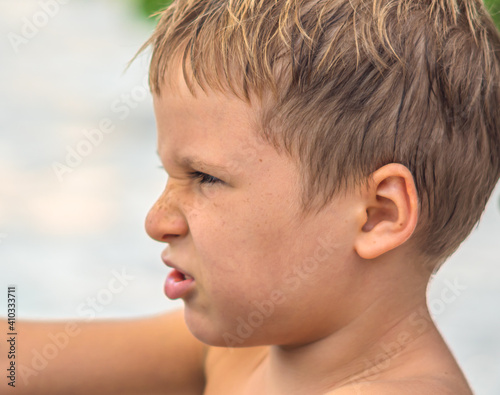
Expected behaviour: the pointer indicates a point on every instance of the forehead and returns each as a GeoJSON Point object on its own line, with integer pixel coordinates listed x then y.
{"type": "Point", "coordinates": [181, 92]}
{"type": "Point", "coordinates": [210, 114]}
{"type": "Point", "coordinates": [207, 124]}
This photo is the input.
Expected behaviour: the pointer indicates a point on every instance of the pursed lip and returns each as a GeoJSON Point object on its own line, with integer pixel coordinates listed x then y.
{"type": "Point", "coordinates": [179, 283]}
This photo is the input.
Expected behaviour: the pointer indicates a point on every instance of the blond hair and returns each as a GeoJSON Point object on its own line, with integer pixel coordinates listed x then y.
{"type": "Point", "coordinates": [354, 85]}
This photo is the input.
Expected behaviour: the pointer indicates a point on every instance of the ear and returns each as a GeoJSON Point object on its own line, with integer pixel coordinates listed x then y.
{"type": "Point", "coordinates": [391, 205]}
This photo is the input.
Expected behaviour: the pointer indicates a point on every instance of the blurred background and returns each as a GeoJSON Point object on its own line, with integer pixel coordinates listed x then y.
{"type": "Point", "coordinates": [79, 171]}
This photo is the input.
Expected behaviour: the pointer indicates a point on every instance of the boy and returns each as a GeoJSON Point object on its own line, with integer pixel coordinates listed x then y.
{"type": "Point", "coordinates": [324, 158]}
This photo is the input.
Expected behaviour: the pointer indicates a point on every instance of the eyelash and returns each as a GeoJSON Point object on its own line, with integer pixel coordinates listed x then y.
{"type": "Point", "coordinates": [204, 178]}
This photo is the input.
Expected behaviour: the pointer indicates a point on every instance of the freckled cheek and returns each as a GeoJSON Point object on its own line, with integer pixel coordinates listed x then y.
{"type": "Point", "coordinates": [232, 260]}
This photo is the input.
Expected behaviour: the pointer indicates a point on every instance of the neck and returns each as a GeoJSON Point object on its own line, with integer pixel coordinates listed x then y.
{"type": "Point", "coordinates": [373, 344]}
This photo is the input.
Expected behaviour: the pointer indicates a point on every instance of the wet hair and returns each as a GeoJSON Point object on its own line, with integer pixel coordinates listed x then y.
{"type": "Point", "coordinates": [347, 86]}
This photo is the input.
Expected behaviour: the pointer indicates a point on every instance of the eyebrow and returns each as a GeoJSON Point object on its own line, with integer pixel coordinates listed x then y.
{"type": "Point", "coordinates": [193, 162]}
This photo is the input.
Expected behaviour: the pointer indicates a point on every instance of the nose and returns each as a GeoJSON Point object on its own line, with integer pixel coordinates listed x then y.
{"type": "Point", "coordinates": [165, 221]}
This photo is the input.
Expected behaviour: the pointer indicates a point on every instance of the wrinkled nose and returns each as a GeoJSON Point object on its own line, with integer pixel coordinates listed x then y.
{"type": "Point", "coordinates": [165, 221]}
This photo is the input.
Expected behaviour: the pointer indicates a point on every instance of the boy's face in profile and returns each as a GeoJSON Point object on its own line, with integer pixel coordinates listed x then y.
{"type": "Point", "coordinates": [231, 214]}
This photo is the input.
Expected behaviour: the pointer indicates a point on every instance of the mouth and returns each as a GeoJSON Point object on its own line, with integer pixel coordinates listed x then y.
{"type": "Point", "coordinates": [178, 284]}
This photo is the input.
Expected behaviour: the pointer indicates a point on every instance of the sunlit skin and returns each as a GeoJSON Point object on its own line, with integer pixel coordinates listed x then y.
{"type": "Point", "coordinates": [337, 286]}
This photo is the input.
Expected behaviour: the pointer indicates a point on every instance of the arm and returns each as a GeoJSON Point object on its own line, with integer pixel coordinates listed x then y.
{"type": "Point", "coordinates": [142, 356]}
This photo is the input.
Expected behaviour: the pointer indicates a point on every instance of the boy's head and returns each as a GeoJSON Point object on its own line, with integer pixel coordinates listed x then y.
{"type": "Point", "coordinates": [250, 264]}
{"type": "Point", "coordinates": [346, 87]}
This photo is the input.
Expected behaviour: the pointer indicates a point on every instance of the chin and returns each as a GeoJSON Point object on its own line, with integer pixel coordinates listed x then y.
{"type": "Point", "coordinates": [202, 326]}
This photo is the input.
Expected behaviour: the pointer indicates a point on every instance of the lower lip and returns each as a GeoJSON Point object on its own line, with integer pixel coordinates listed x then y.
{"type": "Point", "coordinates": [175, 285]}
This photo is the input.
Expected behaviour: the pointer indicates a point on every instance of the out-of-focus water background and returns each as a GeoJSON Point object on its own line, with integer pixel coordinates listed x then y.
{"type": "Point", "coordinates": [73, 200]}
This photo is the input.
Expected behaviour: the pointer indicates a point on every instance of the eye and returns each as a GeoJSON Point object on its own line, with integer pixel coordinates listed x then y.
{"type": "Point", "coordinates": [204, 178]}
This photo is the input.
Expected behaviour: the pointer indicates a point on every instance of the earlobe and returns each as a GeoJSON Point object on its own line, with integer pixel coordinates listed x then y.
{"type": "Point", "coordinates": [391, 206]}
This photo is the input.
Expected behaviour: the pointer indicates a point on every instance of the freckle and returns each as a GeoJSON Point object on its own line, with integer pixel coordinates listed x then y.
{"type": "Point", "coordinates": [260, 160]}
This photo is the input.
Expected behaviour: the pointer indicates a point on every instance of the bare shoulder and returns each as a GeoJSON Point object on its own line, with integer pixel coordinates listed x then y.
{"type": "Point", "coordinates": [240, 362]}
{"type": "Point", "coordinates": [429, 368]}
{"type": "Point", "coordinates": [172, 333]}
{"type": "Point", "coordinates": [426, 366]}
{"type": "Point", "coordinates": [218, 358]}
{"type": "Point", "coordinates": [416, 386]}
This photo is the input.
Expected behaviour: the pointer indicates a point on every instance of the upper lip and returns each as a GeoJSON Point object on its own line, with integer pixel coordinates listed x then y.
{"type": "Point", "coordinates": [169, 263]}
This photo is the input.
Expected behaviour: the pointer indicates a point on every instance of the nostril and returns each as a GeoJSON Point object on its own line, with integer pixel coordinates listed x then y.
{"type": "Point", "coordinates": [168, 237]}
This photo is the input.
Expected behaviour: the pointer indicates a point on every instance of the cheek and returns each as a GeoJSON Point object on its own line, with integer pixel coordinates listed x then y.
{"type": "Point", "coordinates": [240, 253]}
{"type": "Point", "coordinates": [260, 280]}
